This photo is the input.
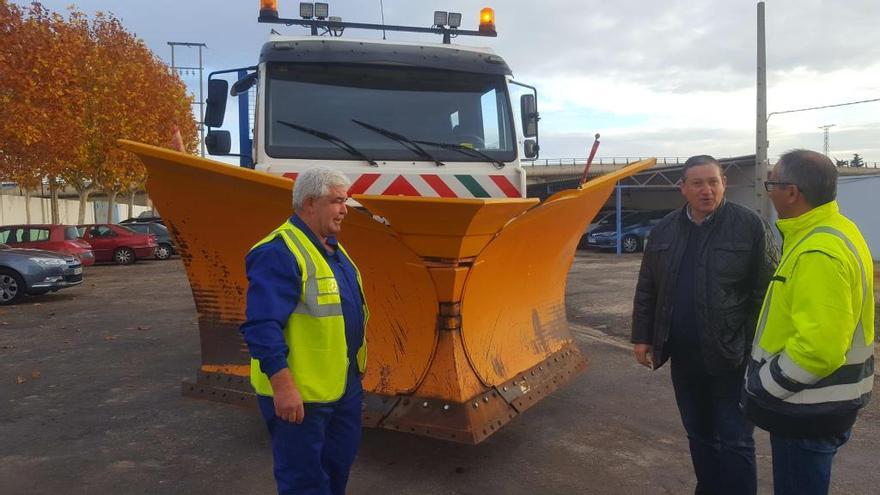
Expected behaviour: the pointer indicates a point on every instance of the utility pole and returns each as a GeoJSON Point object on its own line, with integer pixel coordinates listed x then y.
{"type": "Point", "coordinates": [762, 166]}
{"type": "Point", "coordinates": [825, 128]}
{"type": "Point", "coordinates": [201, 71]}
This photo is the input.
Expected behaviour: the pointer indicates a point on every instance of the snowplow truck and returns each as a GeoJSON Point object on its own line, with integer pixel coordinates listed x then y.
{"type": "Point", "coordinates": [464, 275]}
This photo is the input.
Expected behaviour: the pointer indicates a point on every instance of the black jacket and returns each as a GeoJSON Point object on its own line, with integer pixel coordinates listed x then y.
{"type": "Point", "coordinates": [733, 270]}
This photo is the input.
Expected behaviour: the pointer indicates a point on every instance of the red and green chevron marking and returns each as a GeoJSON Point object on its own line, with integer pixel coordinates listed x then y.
{"type": "Point", "coordinates": [432, 185]}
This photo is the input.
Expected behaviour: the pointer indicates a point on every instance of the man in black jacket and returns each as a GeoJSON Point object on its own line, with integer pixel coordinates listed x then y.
{"type": "Point", "coordinates": [701, 283]}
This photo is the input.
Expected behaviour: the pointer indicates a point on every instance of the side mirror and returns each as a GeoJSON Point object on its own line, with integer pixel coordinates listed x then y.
{"type": "Point", "coordinates": [529, 114]}
{"type": "Point", "coordinates": [215, 108]}
{"type": "Point", "coordinates": [243, 84]}
{"type": "Point", "coordinates": [218, 142]}
{"type": "Point", "coordinates": [531, 148]}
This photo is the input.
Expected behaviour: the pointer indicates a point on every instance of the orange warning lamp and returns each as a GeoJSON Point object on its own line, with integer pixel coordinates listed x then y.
{"type": "Point", "coordinates": [487, 20]}
{"type": "Point", "coordinates": [269, 8]}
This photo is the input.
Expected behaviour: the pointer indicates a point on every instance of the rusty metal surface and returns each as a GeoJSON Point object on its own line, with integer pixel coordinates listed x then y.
{"type": "Point", "coordinates": [513, 307]}
{"type": "Point", "coordinates": [530, 386]}
{"type": "Point", "coordinates": [477, 418]}
{"type": "Point", "coordinates": [376, 407]}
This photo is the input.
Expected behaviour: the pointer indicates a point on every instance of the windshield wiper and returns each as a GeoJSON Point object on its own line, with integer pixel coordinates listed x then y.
{"type": "Point", "coordinates": [466, 150]}
{"type": "Point", "coordinates": [405, 141]}
{"type": "Point", "coordinates": [330, 138]}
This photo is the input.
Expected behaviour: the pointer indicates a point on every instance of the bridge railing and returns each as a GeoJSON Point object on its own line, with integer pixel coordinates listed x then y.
{"type": "Point", "coordinates": [601, 160]}
{"type": "Point", "coordinates": [623, 160]}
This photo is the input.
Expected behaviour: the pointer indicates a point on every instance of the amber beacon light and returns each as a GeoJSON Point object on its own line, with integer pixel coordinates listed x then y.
{"type": "Point", "coordinates": [487, 20]}
{"type": "Point", "coordinates": [268, 8]}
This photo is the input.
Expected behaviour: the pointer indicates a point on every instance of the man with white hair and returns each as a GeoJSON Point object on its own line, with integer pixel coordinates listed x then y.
{"type": "Point", "coordinates": [306, 314]}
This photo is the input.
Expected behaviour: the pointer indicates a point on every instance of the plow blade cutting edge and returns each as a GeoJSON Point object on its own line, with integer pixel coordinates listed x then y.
{"type": "Point", "coordinates": [467, 296]}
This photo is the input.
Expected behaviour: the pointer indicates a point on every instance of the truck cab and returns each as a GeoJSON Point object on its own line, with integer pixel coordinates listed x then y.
{"type": "Point", "coordinates": [412, 119]}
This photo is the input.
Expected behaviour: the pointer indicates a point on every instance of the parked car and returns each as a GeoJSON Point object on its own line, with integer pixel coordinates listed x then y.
{"type": "Point", "coordinates": [118, 244]}
{"type": "Point", "coordinates": [166, 246]}
{"type": "Point", "coordinates": [34, 272]}
{"type": "Point", "coordinates": [635, 227]}
{"type": "Point", "coordinates": [606, 217]}
{"type": "Point", "coordinates": [58, 238]}
{"type": "Point", "coordinates": [148, 216]}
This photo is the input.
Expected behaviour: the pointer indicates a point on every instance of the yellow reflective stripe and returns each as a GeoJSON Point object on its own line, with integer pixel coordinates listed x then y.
{"type": "Point", "coordinates": [318, 302]}
{"type": "Point", "coordinates": [859, 352]}
{"type": "Point", "coordinates": [833, 393]}
{"type": "Point", "coordinates": [770, 384]}
{"type": "Point", "coordinates": [794, 372]}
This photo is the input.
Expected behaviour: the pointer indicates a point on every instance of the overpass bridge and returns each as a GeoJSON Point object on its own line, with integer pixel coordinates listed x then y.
{"type": "Point", "coordinates": [566, 169]}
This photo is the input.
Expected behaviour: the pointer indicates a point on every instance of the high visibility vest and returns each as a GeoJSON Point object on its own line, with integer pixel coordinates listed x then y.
{"type": "Point", "coordinates": [315, 331]}
{"type": "Point", "coordinates": [813, 352]}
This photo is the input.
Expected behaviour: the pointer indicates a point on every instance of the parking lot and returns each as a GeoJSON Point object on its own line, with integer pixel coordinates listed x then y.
{"type": "Point", "coordinates": [90, 403]}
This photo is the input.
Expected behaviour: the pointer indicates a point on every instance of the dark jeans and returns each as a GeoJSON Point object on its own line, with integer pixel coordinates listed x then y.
{"type": "Point", "coordinates": [719, 435]}
{"type": "Point", "coordinates": [315, 457]}
{"type": "Point", "coordinates": [802, 466]}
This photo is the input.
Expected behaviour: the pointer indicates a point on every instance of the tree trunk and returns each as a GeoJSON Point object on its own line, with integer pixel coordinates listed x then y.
{"type": "Point", "coordinates": [83, 203]}
{"type": "Point", "coordinates": [27, 205]}
{"type": "Point", "coordinates": [131, 203]}
{"type": "Point", "coordinates": [111, 205]}
{"type": "Point", "coordinates": [53, 193]}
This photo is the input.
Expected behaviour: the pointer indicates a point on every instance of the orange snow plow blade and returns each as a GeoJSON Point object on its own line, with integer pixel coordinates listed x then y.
{"type": "Point", "coordinates": [467, 296]}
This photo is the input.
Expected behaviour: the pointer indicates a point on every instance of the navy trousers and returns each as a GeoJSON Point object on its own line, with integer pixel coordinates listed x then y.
{"type": "Point", "coordinates": [802, 466]}
{"type": "Point", "coordinates": [315, 457]}
{"type": "Point", "coordinates": [719, 434]}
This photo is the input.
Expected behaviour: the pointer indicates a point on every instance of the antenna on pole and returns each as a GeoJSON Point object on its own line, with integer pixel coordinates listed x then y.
{"type": "Point", "coordinates": [825, 129]}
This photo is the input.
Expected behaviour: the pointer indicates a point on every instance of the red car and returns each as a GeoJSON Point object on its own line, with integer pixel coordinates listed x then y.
{"type": "Point", "coordinates": [59, 238]}
{"type": "Point", "coordinates": [118, 244]}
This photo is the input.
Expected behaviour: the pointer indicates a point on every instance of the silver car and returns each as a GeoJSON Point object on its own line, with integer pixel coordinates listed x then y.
{"type": "Point", "coordinates": [35, 272]}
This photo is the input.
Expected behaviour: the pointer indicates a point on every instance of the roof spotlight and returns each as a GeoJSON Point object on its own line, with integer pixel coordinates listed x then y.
{"type": "Point", "coordinates": [306, 10]}
{"type": "Point", "coordinates": [454, 19]}
{"type": "Point", "coordinates": [440, 17]}
{"type": "Point", "coordinates": [322, 10]}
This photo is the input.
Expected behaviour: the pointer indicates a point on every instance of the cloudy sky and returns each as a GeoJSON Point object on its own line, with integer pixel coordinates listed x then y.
{"type": "Point", "coordinates": [655, 78]}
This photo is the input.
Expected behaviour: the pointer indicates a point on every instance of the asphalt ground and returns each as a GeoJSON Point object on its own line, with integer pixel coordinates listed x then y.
{"type": "Point", "coordinates": [90, 403]}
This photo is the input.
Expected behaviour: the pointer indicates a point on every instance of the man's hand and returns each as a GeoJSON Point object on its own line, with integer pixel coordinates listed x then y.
{"type": "Point", "coordinates": [644, 354]}
{"type": "Point", "coordinates": [288, 402]}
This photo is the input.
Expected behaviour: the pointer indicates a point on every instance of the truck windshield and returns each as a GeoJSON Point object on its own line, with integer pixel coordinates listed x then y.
{"type": "Point", "coordinates": [456, 108]}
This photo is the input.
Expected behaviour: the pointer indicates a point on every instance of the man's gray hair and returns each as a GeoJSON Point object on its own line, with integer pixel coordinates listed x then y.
{"type": "Point", "coordinates": [813, 173]}
{"type": "Point", "coordinates": [317, 182]}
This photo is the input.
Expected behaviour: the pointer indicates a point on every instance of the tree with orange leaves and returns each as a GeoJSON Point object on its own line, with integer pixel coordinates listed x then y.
{"type": "Point", "coordinates": [32, 97]}
{"type": "Point", "coordinates": [69, 88]}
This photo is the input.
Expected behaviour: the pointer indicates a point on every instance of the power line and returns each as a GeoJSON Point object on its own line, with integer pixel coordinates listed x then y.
{"type": "Point", "coordinates": [823, 106]}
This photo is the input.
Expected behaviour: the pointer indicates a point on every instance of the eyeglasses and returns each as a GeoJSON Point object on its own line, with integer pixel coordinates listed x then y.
{"type": "Point", "coordinates": [770, 184]}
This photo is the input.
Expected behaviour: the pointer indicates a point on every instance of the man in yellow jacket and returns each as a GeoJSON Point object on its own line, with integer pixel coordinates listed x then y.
{"type": "Point", "coordinates": [812, 362]}
{"type": "Point", "coordinates": [306, 314]}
